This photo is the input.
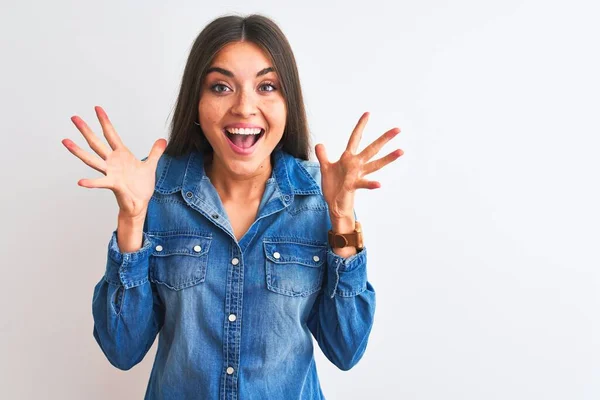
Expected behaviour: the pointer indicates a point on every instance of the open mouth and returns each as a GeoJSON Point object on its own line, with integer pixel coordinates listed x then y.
{"type": "Point", "coordinates": [244, 139]}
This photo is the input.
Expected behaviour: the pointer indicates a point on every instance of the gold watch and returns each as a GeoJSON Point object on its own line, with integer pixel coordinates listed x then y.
{"type": "Point", "coordinates": [340, 240]}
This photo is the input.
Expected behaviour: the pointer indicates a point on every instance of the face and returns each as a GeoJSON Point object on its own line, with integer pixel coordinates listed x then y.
{"type": "Point", "coordinates": [241, 110]}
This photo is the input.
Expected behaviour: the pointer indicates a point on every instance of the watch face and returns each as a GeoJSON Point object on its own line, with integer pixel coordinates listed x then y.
{"type": "Point", "coordinates": [340, 241]}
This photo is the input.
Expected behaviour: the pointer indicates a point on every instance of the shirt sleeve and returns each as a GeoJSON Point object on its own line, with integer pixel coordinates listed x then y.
{"type": "Point", "coordinates": [342, 316]}
{"type": "Point", "coordinates": [127, 310]}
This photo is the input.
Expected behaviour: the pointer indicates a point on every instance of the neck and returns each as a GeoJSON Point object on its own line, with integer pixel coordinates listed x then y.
{"type": "Point", "coordinates": [237, 188]}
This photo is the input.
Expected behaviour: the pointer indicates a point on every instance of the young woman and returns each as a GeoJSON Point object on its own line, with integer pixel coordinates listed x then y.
{"type": "Point", "coordinates": [229, 242]}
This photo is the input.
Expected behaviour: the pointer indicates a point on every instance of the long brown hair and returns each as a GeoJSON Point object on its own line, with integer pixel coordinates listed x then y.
{"type": "Point", "coordinates": [185, 135]}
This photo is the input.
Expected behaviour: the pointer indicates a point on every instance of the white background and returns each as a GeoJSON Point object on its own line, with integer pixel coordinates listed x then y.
{"type": "Point", "coordinates": [483, 239]}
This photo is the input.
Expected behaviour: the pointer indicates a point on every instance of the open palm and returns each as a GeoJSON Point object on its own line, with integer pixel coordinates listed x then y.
{"type": "Point", "coordinates": [131, 180]}
{"type": "Point", "coordinates": [341, 179]}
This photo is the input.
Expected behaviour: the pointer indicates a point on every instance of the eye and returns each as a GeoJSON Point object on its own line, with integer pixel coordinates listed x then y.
{"type": "Point", "coordinates": [215, 88]}
{"type": "Point", "coordinates": [268, 84]}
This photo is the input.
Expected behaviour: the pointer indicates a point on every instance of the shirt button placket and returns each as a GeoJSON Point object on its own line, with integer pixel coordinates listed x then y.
{"type": "Point", "coordinates": [235, 285]}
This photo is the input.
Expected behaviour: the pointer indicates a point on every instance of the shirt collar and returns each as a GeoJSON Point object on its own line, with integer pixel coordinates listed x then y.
{"type": "Point", "coordinates": [186, 173]}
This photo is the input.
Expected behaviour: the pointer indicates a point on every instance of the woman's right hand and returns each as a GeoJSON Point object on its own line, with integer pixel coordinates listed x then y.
{"type": "Point", "coordinates": [131, 180]}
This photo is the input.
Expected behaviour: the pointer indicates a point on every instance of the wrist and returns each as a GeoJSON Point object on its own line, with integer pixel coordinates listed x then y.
{"type": "Point", "coordinates": [131, 222]}
{"type": "Point", "coordinates": [343, 225]}
{"type": "Point", "coordinates": [345, 237]}
{"type": "Point", "coordinates": [345, 252]}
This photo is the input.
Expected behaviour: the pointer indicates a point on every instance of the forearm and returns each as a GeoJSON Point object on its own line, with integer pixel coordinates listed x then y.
{"type": "Point", "coordinates": [130, 233]}
{"type": "Point", "coordinates": [128, 312]}
{"type": "Point", "coordinates": [126, 322]}
{"type": "Point", "coordinates": [342, 318]}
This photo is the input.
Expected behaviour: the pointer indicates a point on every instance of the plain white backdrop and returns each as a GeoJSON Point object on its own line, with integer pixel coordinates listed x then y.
{"type": "Point", "coordinates": [483, 240]}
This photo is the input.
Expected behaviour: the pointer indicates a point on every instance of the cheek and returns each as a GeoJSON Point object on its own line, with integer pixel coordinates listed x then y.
{"type": "Point", "coordinates": [276, 111]}
{"type": "Point", "coordinates": [209, 111]}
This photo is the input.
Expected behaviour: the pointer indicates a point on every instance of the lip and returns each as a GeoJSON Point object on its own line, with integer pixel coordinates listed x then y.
{"type": "Point", "coordinates": [240, 150]}
{"type": "Point", "coordinates": [243, 125]}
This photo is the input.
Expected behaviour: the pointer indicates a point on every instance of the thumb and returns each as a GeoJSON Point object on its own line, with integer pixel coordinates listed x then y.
{"type": "Point", "coordinates": [157, 150]}
{"type": "Point", "coordinates": [321, 154]}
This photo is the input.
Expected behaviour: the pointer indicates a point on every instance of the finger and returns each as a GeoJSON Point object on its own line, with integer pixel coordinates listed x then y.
{"type": "Point", "coordinates": [381, 162]}
{"type": "Point", "coordinates": [321, 154]}
{"type": "Point", "coordinates": [156, 151]}
{"type": "Point", "coordinates": [92, 161]}
{"type": "Point", "coordinates": [366, 184]}
{"type": "Point", "coordinates": [93, 140]}
{"type": "Point", "coordinates": [378, 143]}
{"type": "Point", "coordinates": [357, 133]}
{"type": "Point", "coordinates": [103, 182]}
{"type": "Point", "coordinates": [109, 131]}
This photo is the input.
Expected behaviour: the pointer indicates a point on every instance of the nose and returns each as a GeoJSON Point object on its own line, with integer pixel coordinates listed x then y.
{"type": "Point", "coordinates": [245, 104]}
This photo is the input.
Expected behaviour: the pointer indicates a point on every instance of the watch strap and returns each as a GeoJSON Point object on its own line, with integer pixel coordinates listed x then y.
{"type": "Point", "coordinates": [340, 240]}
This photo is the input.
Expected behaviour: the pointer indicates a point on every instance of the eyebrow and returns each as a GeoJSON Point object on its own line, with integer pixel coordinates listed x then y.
{"type": "Point", "coordinates": [230, 74]}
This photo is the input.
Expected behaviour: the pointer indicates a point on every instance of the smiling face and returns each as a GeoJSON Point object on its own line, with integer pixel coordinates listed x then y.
{"type": "Point", "coordinates": [241, 110]}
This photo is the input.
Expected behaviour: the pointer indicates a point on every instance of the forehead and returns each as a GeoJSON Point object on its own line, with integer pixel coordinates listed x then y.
{"type": "Point", "coordinates": [242, 57]}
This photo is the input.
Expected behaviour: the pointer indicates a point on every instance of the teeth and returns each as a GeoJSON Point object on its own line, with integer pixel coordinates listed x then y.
{"type": "Point", "coordinates": [244, 131]}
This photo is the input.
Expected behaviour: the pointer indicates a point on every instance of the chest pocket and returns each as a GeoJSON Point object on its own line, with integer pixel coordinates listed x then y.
{"type": "Point", "coordinates": [294, 268]}
{"type": "Point", "coordinates": [179, 260]}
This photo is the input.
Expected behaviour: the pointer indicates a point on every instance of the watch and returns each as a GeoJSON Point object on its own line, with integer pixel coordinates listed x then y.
{"type": "Point", "coordinates": [354, 239]}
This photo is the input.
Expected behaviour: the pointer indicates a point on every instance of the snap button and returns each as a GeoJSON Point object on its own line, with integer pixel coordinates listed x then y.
{"type": "Point", "coordinates": [159, 248]}
{"type": "Point", "coordinates": [197, 249]}
{"type": "Point", "coordinates": [235, 261]}
{"type": "Point", "coordinates": [276, 255]}
{"type": "Point", "coordinates": [229, 370]}
{"type": "Point", "coordinates": [215, 216]}
{"type": "Point", "coordinates": [189, 195]}
{"type": "Point", "coordinates": [286, 198]}
{"type": "Point", "coordinates": [232, 317]}
{"type": "Point", "coordinates": [316, 258]}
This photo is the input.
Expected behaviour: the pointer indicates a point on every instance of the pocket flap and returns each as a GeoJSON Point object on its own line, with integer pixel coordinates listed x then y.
{"type": "Point", "coordinates": [192, 245]}
{"type": "Point", "coordinates": [310, 255]}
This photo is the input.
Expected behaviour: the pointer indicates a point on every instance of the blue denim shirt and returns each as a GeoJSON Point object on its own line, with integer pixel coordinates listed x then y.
{"type": "Point", "coordinates": [235, 317]}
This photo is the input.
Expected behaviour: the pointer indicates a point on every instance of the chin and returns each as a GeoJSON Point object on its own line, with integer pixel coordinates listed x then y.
{"type": "Point", "coordinates": [251, 166]}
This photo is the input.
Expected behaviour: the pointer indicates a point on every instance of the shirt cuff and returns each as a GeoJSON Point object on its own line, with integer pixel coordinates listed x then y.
{"type": "Point", "coordinates": [346, 277]}
{"type": "Point", "coordinates": [128, 269]}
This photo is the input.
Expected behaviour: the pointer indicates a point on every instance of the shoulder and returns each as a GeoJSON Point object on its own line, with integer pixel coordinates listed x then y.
{"type": "Point", "coordinates": [170, 171]}
{"type": "Point", "coordinates": [304, 175]}
{"type": "Point", "coordinates": [312, 168]}
{"type": "Point", "coordinates": [305, 181]}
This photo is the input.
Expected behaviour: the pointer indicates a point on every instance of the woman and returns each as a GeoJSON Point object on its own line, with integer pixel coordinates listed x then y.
{"type": "Point", "coordinates": [223, 243]}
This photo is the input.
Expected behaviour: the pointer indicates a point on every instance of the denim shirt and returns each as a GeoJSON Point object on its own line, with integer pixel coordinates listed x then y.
{"type": "Point", "coordinates": [235, 317]}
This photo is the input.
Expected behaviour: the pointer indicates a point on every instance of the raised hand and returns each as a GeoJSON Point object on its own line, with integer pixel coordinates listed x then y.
{"type": "Point", "coordinates": [340, 179]}
{"type": "Point", "coordinates": [131, 180]}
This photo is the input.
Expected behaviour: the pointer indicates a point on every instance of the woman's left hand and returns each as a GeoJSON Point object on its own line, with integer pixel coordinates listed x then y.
{"type": "Point", "coordinates": [340, 179]}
